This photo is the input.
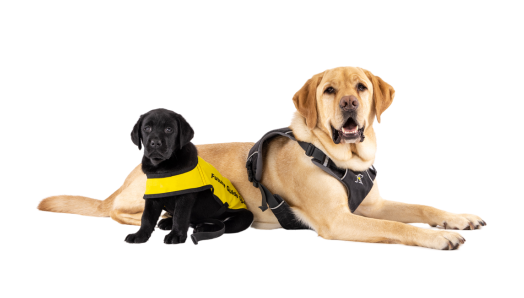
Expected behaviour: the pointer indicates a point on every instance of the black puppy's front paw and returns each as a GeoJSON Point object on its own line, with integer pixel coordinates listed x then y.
{"type": "Point", "coordinates": [173, 238]}
{"type": "Point", "coordinates": [166, 224]}
{"type": "Point", "coordinates": [137, 238]}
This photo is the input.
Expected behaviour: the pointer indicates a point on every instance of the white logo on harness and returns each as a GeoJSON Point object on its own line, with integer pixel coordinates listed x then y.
{"type": "Point", "coordinates": [359, 179]}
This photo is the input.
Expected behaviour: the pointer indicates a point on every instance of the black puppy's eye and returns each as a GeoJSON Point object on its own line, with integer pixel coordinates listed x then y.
{"type": "Point", "coordinates": [168, 130]}
{"type": "Point", "coordinates": [147, 129]}
{"type": "Point", "coordinates": [329, 90]}
{"type": "Point", "coordinates": [361, 87]}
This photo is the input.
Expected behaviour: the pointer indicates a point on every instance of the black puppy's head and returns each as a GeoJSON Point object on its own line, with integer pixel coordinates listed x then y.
{"type": "Point", "coordinates": [162, 132]}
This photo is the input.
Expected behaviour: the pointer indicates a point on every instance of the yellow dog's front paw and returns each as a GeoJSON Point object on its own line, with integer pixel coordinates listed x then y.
{"type": "Point", "coordinates": [443, 240]}
{"type": "Point", "coordinates": [460, 222]}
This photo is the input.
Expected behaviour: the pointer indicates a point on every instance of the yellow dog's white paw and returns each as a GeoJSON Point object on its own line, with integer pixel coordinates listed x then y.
{"type": "Point", "coordinates": [460, 222]}
{"type": "Point", "coordinates": [443, 240]}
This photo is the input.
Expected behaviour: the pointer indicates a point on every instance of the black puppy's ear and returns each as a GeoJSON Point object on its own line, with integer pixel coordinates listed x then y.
{"type": "Point", "coordinates": [185, 132]}
{"type": "Point", "coordinates": [136, 134]}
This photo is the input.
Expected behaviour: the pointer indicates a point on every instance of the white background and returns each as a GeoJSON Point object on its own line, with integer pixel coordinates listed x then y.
{"type": "Point", "coordinates": [75, 76]}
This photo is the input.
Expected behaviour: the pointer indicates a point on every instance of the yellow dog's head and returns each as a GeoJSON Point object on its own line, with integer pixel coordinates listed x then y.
{"type": "Point", "coordinates": [343, 101]}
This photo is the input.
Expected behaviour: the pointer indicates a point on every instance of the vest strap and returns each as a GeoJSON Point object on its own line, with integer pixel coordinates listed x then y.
{"type": "Point", "coordinates": [201, 230]}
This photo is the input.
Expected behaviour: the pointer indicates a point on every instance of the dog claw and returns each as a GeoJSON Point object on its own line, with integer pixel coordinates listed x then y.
{"type": "Point", "coordinates": [451, 246]}
{"type": "Point", "coordinates": [463, 222]}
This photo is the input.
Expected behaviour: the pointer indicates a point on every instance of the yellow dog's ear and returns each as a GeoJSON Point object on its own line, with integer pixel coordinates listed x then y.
{"type": "Point", "coordinates": [305, 100]}
{"type": "Point", "coordinates": [383, 93]}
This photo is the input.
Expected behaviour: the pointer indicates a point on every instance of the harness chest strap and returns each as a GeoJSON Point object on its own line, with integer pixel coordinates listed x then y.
{"type": "Point", "coordinates": [358, 184]}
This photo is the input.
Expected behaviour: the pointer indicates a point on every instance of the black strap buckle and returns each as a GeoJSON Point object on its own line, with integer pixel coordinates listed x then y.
{"type": "Point", "coordinates": [310, 150]}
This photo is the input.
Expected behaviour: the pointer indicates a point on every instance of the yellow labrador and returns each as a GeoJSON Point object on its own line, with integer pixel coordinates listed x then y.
{"type": "Point", "coordinates": [316, 198]}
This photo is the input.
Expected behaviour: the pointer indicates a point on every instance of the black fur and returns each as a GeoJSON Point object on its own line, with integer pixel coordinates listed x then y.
{"type": "Point", "coordinates": [166, 152]}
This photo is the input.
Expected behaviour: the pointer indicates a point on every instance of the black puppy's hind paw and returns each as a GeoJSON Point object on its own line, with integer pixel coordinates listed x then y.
{"type": "Point", "coordinates": [136, 238]}
{"type": "Point", "coordinates": [173, 238]}
{"type": "Point", "coordinates": [166, 224]}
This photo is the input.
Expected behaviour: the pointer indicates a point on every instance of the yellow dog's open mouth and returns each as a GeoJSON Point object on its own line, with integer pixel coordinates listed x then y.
{"type": "Point", "coordinates": [349, 131]}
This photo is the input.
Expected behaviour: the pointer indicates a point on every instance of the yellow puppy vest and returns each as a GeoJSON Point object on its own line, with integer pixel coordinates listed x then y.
{"type": "Point", "coordinates": [202, 177]}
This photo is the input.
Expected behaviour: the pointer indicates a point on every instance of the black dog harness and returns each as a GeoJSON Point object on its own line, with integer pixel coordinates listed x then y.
{"type": "Point", "coordinates": [358, 184]}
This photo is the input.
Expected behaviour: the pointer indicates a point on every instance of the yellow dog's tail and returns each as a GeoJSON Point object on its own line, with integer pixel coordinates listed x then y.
{"type": "Point", "coordinates": [79, 205]}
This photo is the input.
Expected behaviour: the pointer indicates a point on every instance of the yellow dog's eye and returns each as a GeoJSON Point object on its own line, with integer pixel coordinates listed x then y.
{"type": "Point", "coordinates": [361, 87]}
{"type": "Point", "coordinates": [329, 90]}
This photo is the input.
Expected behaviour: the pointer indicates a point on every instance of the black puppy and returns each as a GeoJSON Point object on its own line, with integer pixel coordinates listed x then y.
{"type": "Point", "coordinates": [168, 151]}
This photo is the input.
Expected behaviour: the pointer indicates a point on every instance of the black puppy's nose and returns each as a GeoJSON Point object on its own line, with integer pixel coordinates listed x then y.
{"type": "Point", "coordinates": [155, 143]}
{"type": "Point", "coordinates": [349, 103]}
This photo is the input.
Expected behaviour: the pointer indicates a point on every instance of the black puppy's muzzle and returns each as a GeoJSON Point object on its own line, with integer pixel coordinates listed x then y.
{"type": "Point", "coordinates": [157, 151]}
{"type": "Point", "coordinates": [156, 157]}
